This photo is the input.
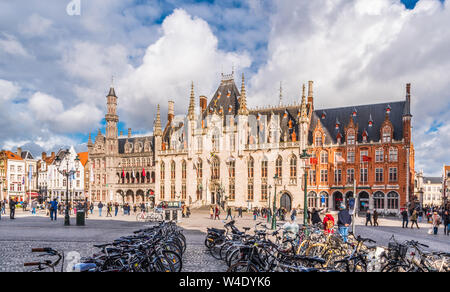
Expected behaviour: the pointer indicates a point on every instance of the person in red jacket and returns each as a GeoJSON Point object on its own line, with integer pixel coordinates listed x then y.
{"type": "Point", "coordinates": [328, 223]}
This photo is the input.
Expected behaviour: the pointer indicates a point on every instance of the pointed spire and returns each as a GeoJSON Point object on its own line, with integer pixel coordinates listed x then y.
{"type": "Point", "coordinates": [303, 104]}
{"type": "Point", "coordinates": [243, 102]}
{"type": "Point", "coordinates": [281, 93]}
{"type": "Point", "coordinates": [89, 144]}
{"type": "Point", "coordinates": [191, 113]}
{"type": "Point", "coordinates": [158, 130]}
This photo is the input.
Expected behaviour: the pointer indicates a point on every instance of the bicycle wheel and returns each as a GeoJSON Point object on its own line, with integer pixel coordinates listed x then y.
{"type": "Point", "coordinates": [140, 217]}
{"type": "Point", "coordinates": [168, 261]}
{"type": "Point", "coordinates": [400, 268]}
{"type": "Point", "coordinates": [243, 267]}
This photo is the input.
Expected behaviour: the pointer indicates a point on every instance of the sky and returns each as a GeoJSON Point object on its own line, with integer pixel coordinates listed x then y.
{"type": "Point", "coordinates": [57, 61]}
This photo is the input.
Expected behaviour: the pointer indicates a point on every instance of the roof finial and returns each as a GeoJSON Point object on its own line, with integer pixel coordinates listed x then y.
{"type": "Point", "coordinates": [281, 93]}
{"type": "Point", "coordinates": [158, 130]}
{"type": "Point", "coordinates": [191, 112]}
{"type": "Point", "coordinates": [243, 102]}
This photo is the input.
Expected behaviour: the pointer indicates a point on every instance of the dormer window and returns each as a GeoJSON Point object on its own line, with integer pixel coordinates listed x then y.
{"type": "Point", "coordinates": [355, 112]}
{"type": "Point", "coordinates": [319, 139]}
{"type": "Point", "coordinates": [219, 94]}
{"type": "Point", "coordinates": [351, 137]}
{"type": "Point", "coordinates": [386, 135]}
{"type": "Point", "coordinates": [388, 109]}
{"type": "Point", "coordinates": [324, 115]}
{"type": "Point", "coordinates": [228, 93]}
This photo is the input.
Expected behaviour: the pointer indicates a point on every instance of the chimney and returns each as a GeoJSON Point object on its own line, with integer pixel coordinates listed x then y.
{"type": "Point", "coordinates": [53, 155]}
{"type": "Point", "coordinates": [19, 151]}
{"type": "Point", "coordinates": [44, 155]}
{"type": "Point", "coordinates": [129, 132]}
{"type": "Point", "coordinates": [171, 111]}
{"type": "Point", "coordinates": [203, 102]}
{"type": "Point", "coordinates": [310, 91]}
{"type": "Point", "coordinates": [408, 91]}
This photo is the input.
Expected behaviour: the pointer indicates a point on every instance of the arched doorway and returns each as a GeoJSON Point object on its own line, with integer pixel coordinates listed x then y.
{"type": "Point", "coordinates": [130, 197]}
{"type": "Point", "coordinates": [324, 200]}
{"type": "Point", "coordinates": [363, 201]}
{"type": "Point", "coordinates": [348, 196]}
{"type": "Point", "coordinates": [337, 200]}
{"type": "Point", "coordinates": [312, 200]}
{"type": "Point", "coordinates": [140, 196]}
{"type": "Point", "coordinates": [286, 202]}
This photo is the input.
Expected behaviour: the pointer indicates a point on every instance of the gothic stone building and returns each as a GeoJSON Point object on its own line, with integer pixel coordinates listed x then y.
{"type": "Point", "coordinates": [225, 152]}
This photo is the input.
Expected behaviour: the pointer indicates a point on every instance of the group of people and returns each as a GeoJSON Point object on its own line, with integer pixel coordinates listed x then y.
{"type": "Point", "coordinates": [435, 217]}
{"type": "Point", "coordinates": [12, 208]}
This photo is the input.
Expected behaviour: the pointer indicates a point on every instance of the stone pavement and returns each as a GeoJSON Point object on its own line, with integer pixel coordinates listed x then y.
{"type": "Point", "coordinates": [18, 236]}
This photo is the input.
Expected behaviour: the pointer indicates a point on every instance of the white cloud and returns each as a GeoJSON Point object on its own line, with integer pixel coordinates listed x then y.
{"type": "Point", "coordinates": [8, 90]}
{"type": "Point", "coordinates": [187, 50]}
{"type": "Point", "coordinates": [361, 52]}
{"type": "Point", "coordinates": [11, 46]}
{"type": "Point", "coordinates": [35, 25]}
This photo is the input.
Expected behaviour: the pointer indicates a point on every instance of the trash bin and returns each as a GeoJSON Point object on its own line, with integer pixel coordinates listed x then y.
{"type": "Point", "coordinates": [81, 217]}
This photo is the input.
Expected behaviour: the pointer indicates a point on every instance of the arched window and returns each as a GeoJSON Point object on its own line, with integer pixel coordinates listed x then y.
{"type": "Point", "coordinates": [232, 169]}
{"type": "Point", "coordinates": [163, 170]}
{"type": "Point", "coordinates": [351, 137]}
{"type": "Point", "coordinates": [215, 171]}
{"type": "Point", "coordinates": [264, 166]}
{"type": "Point", "coordinates": [378, 200]}
{"type": "Point", "coordinates": [392, 201]}
{"type": "Point", "coordinates": [379, 153]}
{"type": "Point", "coordinates": [183, 169]}
{"type": "Point", "coordinates": [251, 167]}
{"type": "Point", "coordinates": [386, 135]}
{"type": "Point", "coordinates": [312, 200]}
{"type": "Point", "coordinates": [172, 170]}
{"type": "Point", "coordinates": [393, 155]}
{"type": "Point", "coordinates": [279, 167]}
{"type": "Point", "coordinates": [324, 157]}
{"type": "Point", "coordinates": [200, 169]}
{"type": "Point", "coordinates": [293, 167]}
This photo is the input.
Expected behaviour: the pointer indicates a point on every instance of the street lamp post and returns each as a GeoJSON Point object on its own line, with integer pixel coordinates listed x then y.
{"type": "Point", "coordinates": [305, 156]}
{"type": "Point", "coordinates": [67, 173]}
{"type": "Point", "coordinates": [274, 217]}
{"type": "Point", "coordinates": [268, 204]}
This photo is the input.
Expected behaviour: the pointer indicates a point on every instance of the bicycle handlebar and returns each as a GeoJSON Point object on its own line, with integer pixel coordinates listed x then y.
{"type": "Point", "coordinates": [32, 264]}
{"type": "Point", "coordinates": [44, 249]}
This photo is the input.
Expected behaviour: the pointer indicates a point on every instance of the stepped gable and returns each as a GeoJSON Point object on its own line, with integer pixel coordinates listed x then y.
{"type": "Point", "coordinates": [364, 114]}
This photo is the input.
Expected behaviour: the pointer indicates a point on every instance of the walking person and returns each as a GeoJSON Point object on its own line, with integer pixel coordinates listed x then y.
{"type": "Point", "coordinates": [413, 219]}
{"type": "Point", "coordinates": [12, 208]}
{"type": "Point", "coordinates": [344, 221]}
{"type": "Point", "coordinates": [100, 208]}
{"type": "Point", "coordinates": [211, 212]}
{"type": "Point", "coordinates": [240, 212]}
{"type": "Point", "coordinates": [369, 218]}
{"type": "Point", "coordinates": [33, 207]}
{"type": "Point", "coordinates": [3, 208]}
{"type": "Point", "coordinates": [293, 214]}
{"type": "Point", "coordinates": [229, 213]}
{"type": "Point", "coordinates": [109, 209]}
{"type": "Point", "coordinates": [91, 208]}
{"type": "Point", "coordinates": [315, 216]}
{"type": "Point", "coordinates": [116, 209]}
{"type": "Point", "coordinates": [255, 213]}
{"type": "Point", "coordinates": [404, 214]}
{"type": "Point", "coordinates": [436, 222]}
{"type": "Point", "coordinates": [446, 220]}
{"type": "Point", "coordinates": [217, 213]}
{"type": "Point", "coordinates": [375, 217]}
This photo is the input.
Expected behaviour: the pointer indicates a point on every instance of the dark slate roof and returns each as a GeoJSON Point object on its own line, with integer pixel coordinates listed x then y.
{"type": "Point", "coordinates": [123, 141]}
{"type": "Point", "coordinates": [26, 155]}
{"type": "Point", "coordinates": [112, 92]}
{"type": "Point", "coordinates": [432, 179]}
{"type": "Point", "coordinates": [364, 113]}
{"type": "Point", "coordinates": [286, 114]}
{"type": "Point", "coordinates": [224, 101]}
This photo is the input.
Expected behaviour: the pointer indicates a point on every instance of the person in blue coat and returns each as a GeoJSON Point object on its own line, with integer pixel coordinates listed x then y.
{"type": "Point", "coordinates": [344, 221]}
{"type": "Point", "coordinates": [53, 209]}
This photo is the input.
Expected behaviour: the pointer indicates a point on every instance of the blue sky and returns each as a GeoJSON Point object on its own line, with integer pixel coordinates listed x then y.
{"type": "Point", "coordinates": [55, 69]}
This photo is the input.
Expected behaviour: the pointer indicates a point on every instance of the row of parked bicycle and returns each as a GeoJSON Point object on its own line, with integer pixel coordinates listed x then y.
{"type": "Point", "coordinates": [159, 248]}
{"type": "Point", "coordinates": [311, 249]}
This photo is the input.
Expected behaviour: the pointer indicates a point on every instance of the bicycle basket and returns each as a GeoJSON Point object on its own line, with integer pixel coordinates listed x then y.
{"type": "Point", "coordinates": [397, 250]}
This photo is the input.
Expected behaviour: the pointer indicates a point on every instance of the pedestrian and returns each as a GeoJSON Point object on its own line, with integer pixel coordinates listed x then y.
{"type": "Point", "coordinates": [109, 209]}
{"type": "Point", "coordinates": [328, 223]}
{"type": "Point", "coordinates": [369, 218]}
{"type": "Point", "coordinates": [33, 207]}
{"type": "Point", "coordinates": [436, 222]}
{"type": "Point", "coordinates": [217, 213]}
{"type": "Point", "coordinates": [116, 209]}
{"type": "Point", "coordinates": [404, 214]}
{"type": "Point", "coordinates": [293, 214]}
{"type": "Point", "coordinates": [240, 212]}
{"type": "Point", "coordinates": [344, 221]}
{"type": "Point", "coordinates": [413, 219]}
{"type": "Point", "coordinates": [211, 212]}
{"type": "Point", "coordinates": [188, 211]}
{"type": "Point", "coordinates": [12, 208]}
{"type": "Point", "coordinates": [420, 213]}
{"type": "Point", "coordinates": [1, 209]}
{"type": "Point", "coordinates": [91, 208]}
{"type": "Point", "coordinates": [255, 213]}
{"type": "Point", "coordinates": [315, 216]}
{"type": "Point", "coordinates": [446, 220]}
{"type": "Point", "coordinates": [229, 213]}
{"type": "Point", "coordinates": [100, 208]}
{"type": "Point", "coordinates": [375, 217]}
{"type": "Point", "coordinates": [134, 208]}
{"type": "Point", "coordinates": [53, 209]}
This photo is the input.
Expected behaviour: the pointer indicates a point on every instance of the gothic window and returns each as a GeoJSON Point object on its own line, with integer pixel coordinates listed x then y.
{"type": "Point", "coordinates": [264, 166]}
{"type": "Point", "coordinates": [279, 167]}
{"type": "Point", "coordinates": [392, 200]}
{"type": "Point", "coordinates": [386, 135]}
{"type": "Point", "coordinates": [319, 139]}
{"type": "Point", "coordinates": [350, 175]}
{"type": "Point", "coordinates": [264, 192]}
{"type": "Point", "coordinates": [378, 200]}
{"type": "Point", "coordinates": [324, 157]}
{"type": "Point", "coordinates": [393, 174]}
{"type": "Point", "coordinates": [293, 167]}
{"type": "Point", "coordinates": [379, 175]}
{"type": "Point", "coordinates": [172, 170]}
{"type": "Point", "coordinates": [351, 137]}
{"type": "Point", "coordinates": [312, 200]}
{"type": "Point", "coordinates": [250, 192]}
{"type": "Point", "coordinates": [183, 170]}
{"type": "Point", "coordinates": [200, 169]}
{"type": "Point", "coordinates": [232, 190]}
{"type": "Point", "coordinates": [232, 169]}
{"type": "Point", "coordinates": [250, 166]}
{"type": "Point", "coordinates": [163, 170]}
{"type": "Point", "coordinates": [215, 173]}
{"type": "Point", "coordinates": [215, 142]}
{"type": "Point", "coordinates": [324, 175]}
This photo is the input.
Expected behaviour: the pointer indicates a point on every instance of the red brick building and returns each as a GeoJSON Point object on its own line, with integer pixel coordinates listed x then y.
{"type": "Point", "coordinates": [370, 145]}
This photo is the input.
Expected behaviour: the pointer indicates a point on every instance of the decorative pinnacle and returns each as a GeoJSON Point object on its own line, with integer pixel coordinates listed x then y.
{"type": "Point", "coordinates": [158, 130]}
{"type": "Point", "coordinates": [191, 112]}
{"type": "Point", "coordinates": [243, 104]}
